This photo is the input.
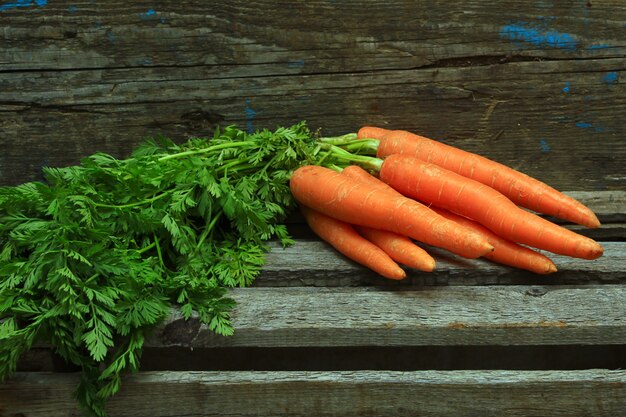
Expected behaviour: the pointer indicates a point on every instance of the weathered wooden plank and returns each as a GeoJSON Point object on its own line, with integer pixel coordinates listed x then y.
{"type": "Point", "coordinates": [356, 393]}
{"type": "Point", "coordinates": [311, 262]}
{"type": "Point", "coordinates": [257, 32]}
{"type": "Point", "coordinates": [536, 86]}
{"type": "Point", "coordinates": [608, 232]}
{"type": "Point", "coordinates": [543, 139]}
{"type": "Point", "coordinates": [610, 206]}
{"type": "Point", "coordinates": [490, 315]}
{"type": "Point", "coordinates": [323, 35]}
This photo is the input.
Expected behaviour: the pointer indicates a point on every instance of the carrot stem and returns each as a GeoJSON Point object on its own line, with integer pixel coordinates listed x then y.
{"type": "Point", "coordinates": [338, 140]}
{"type": "Point", "coordinates": [367, 162]}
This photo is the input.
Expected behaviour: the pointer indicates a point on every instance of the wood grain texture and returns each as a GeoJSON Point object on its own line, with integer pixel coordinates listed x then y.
{"type": "Point", "coordinates": [490, 315]}
{"type": "Point", "coordinates": [332, 394]}
{"type": "Point", "coordinates": [315, 263]}
{"type": "Point", "coordinates": [535, 85]}
{"type": "Point", "coordinates": [610, 206]}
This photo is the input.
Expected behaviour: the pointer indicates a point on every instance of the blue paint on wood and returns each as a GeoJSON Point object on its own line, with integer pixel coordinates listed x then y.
{"type": "Point", "coordinates": [611, 77]}
{"type": "Point", "coordinates": [599, 47]}
{"type": "Point", "coordinates": [590, 126]}
{"type": "Point", "coordinates": [22, 3]}
{"type": "Point", "coordinates": [72, 9]}
{"type": "Point", "coordinates": [566, 89]}
{"type": "Point", "coordinates": [148, 14]}
{"type": "Point", "coordinates": [250, 115]}
{"type": "Point", "coordinates": [582, 123]}
{"type": "Point", "coordinates": [544, 145]}
{"type": "Point", "coordinates": [525, 33]}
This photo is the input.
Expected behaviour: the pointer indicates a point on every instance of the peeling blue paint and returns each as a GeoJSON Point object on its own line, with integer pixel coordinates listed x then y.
{"type": "Point", "coordinates": [566, 89]}
{"type": "Point", "coordinates": [599, 46]}
{"type": "Point", "coordinates": [250, 115]}
{"type": "Point", "coordinates": [152, 14]}
{"type": "Point", "coordinates": [591, 126]}
{"type": "Point", "coordinates": [72, 8]}
{"type": "Point", "coordinates": [545, 146]}
{"type": "Point", "coordinates": [525, 33]}
{"type": "Point", "coordinates": [581, 123]}
{"type": "Point", "coordinates": [148, 14]}
{"type": "Point", "coordinates": [611, 77]}
{"type": "Point", "coordinates": [22, 3]}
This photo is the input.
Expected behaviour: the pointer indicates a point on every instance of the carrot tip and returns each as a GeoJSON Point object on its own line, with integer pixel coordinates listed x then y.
{"type": "Point", "coordinates": [425, 265]}
{"type": "Point", "coordinates": [593, 224]}
{"type": "Point", "coordinates": [595, 251]}
{"type": "Point", "coordinates": [551, 268]}
{"type": "Point", "coordinates": [397, 275]}
{"type": "Point", "coordinates": [431, 267]}
{"type": "Point", "coordinates": [487, 247]}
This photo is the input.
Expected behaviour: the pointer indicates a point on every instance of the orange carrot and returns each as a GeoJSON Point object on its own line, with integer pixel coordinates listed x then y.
{"type": "Point", "coordinates": [400, 248]}
{"type": "Point", "coordinates": [505, 251]}
{"type": "Point", "coordinates": [358, 203]}
{"type": "Point", "coordinates": [358, 173]}
{"type": "Point", "coordinates": [371, 132]}
{"type": "Point", "coordinates": [520, 188]}
{"type": "Point", "coordinates": [346, 240]}
{"type": "Point", "coordinates": [436, 185]}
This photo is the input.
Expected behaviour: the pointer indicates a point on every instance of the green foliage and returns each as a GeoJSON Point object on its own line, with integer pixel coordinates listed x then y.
{"type": "Point", "coordinates": [96, 255]}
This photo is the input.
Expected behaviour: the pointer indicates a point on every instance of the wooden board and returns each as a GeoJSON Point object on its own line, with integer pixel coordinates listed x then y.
{"type": "Point", "coordinates": [535, 85]}
{"type": "Point", "coordinates": [333, 394]}
{"type": "Point", "coordinates": [315, 263]}
{"type": "Point", "coordinates": [497, 315]}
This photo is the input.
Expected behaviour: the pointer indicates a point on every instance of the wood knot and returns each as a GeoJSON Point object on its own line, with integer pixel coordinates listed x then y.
{"type": "Point", "coordinates": [536, 291]}
{"type": "Point", "coordinates": [181, 331]}
{"type": "Point", "coordinates": [201, 119]}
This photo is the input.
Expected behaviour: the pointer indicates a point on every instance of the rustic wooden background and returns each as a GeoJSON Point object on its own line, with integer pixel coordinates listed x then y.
{"type": "Point", "coordinates": [537, 85]}
{"type": "Point", "coordinates": [534, 84]}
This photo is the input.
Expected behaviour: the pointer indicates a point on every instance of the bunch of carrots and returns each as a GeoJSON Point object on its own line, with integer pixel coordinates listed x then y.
{"type": "Point", "coordinates": [410, 189]}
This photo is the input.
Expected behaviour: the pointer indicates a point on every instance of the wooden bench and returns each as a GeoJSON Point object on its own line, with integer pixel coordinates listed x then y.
{"type": "Point", "coordinates": [535, 85]}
